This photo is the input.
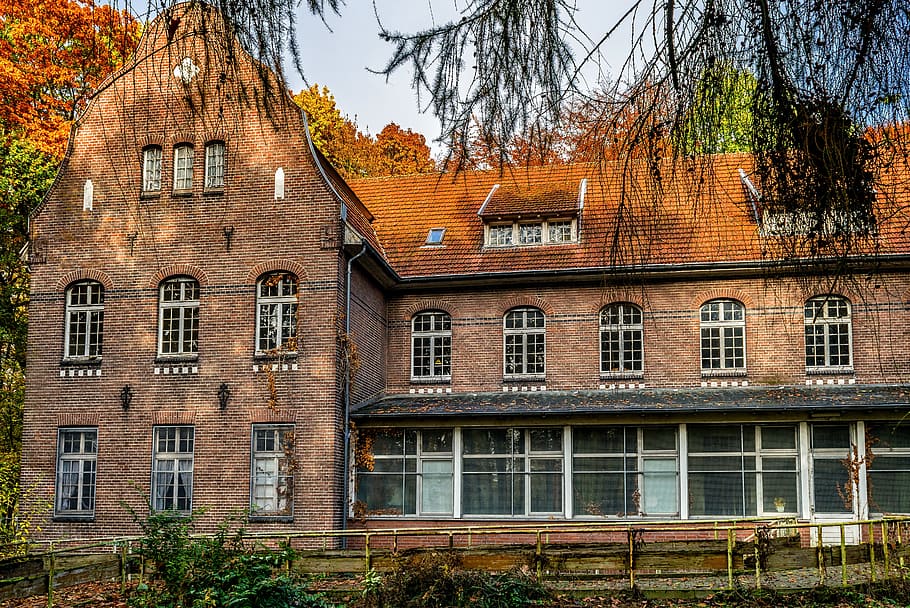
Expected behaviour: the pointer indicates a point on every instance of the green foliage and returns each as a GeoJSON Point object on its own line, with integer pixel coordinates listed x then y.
{"type": "Point", "coordinates": [19, 509]}
{"type": "Point", "coordinates": [219, 571]}
{"type": "Point", "coordinates": [719, 119]}
{"type": "Point", "coordinates": [436, 580]}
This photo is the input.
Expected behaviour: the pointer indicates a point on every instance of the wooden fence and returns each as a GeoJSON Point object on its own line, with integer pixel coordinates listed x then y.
{"type": "Point", "coordinates": [648, 556]}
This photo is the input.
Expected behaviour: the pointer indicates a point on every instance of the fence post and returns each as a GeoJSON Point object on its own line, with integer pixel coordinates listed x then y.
{"type": "Point", "coordinates": [631, 558]}
{"type": "Point", "coordinates": [123, 568]}
{"type": "Point", "coordinates": [820, 553]}
{"type": "Point", "coordinates": [366, 552]}
{"type": "Point", "coordinates": [757, 562]}
{"type": "Point", "coordinates": [538, 560]}
{"type": "Point", "coordinates": [731, 535]}
{"type": "Point", "coordinates": [872, 552]}
{"type": "Point", "coordinates": [843, 554]}
{"type": "Point", "coordinates": [51, 567]}
{"type": "Point", "coordinates": [886, 553]}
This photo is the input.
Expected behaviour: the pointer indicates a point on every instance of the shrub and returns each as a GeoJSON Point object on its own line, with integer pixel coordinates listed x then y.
{"type": "Point", "coordinates": [437, 580]}
{"type": "Point", "coordinates": [216, 571]}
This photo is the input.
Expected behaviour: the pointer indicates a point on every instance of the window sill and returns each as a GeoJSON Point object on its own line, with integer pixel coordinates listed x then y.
{"type": "Point", "coordinates": [723, 373]}
{"type": "Point", "coordinates": [213, 191]}
{"type": "Point", "coordinates": [829, 371]}
{"type": "Point", "coordinates": [74, 518]}
{"type": "Point", "coordinates": [622, 375]}
{"type": "Point", "coordinates": [81, 362]}
{"type": "Point", "coordinates": [432, 380]}
{"type": "Point", "coordinates": [288, 356]}
{"type": "Point", "coordinates": [182, 193]}
{"type": "Point", "coordinates": [524, 378]}
{"type": "Point", "coordinates": [150, 195]}
{"type": "Point", "coordinates": [269, 519]}
{"type": "Point", "coordinates": [175, 359]}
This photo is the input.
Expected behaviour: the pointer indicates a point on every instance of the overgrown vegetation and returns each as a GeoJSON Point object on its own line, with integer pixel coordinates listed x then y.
{"type": "Point", "coordinates": [216, 571]}
{"type": "Point", "coordinates": [438, 580]}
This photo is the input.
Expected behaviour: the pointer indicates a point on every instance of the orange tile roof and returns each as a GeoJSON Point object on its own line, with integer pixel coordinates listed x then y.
{"type": "Point", "coordinates": [702, 217]}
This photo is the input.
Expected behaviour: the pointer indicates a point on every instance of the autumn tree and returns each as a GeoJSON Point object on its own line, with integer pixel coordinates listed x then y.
{"type": "Point", "coordinates": [395, 151]}
{"type": "Point", "coordinates": [53, 53]}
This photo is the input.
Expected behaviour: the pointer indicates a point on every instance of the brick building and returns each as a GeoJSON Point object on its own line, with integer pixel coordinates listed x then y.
{"type": "Point", "coordinates": [213, 306]}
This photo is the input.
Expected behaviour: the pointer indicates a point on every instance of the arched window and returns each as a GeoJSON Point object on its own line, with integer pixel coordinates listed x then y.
{"type": "Point", "coordinates": [84, 320]}
{"type": "Point", "coordinates": [621, 336]}
{"type": "Point", "coordinates": [524, 342]}
{"type": "Point", "coordinates": [431, 346]}
{"type": "Point", "coordinates": [214, 165]}
{"type": "Point", "coordinates": [178, 315]}
{"type": "Point", "coordinates": [828, 329]}
{"type": "Point", "coordinates": [723, 336]}
{"type": "Point", "coordinates": [183, 167]}
{"type": "Point", "coordinates": [276, 313]}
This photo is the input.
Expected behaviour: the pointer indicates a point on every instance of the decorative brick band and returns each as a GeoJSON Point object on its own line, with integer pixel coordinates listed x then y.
{"type": "Point", "coordinates": [424, 305]}
{"type": "Point", "coordinates": [269, 414]}
{"type": "Point", "coordinates": [84, 274]}
{"type": "Point", "coordinates": [176, 270]}
{"type": "Point", "coordinates": [78, 419]}
{"type": "Point", "coordinates": [175, 418]}
{"type": "Point", "coordinates": [618, 296]}
{"type": "Point", "coordinates": [722, 293]}
{"type": "Point", "coordinates": [289, 265]}
{"type": "Point", "coordinates": [516, 301]}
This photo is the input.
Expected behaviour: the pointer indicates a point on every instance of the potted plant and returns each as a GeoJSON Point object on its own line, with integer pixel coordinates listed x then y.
{"type": "Point", "coordinates": [780, 504]}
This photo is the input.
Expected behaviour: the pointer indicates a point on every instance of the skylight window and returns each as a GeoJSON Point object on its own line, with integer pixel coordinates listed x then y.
{"type": "Point", "coordinates": [434, 237]}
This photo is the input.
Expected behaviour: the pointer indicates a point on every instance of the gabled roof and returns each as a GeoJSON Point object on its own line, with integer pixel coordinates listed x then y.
{"type": "Point", "coordinates": [703, 217]}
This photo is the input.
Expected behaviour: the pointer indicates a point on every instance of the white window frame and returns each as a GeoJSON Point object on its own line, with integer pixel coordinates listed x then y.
{"type": "Point", "coordinates": [884, 452]}
{"type": "Point", "coordinates": [271, 470]}
{"type": "Point", "coordinates": [827, 323]}
{"type": "Point", "coordinates": [519, 464]}
{"type": "Point", "coordinates": [215, 163]}
{"type": "Point", "coordinates": [276, 313]}
{"type": "Point", "coordinates": [511, 234]}
{"type": "Point", "coordinates": [151, 169]}
{"type": "Point", "coordinates": [83, 488]}
{"type": "Point", "coordinates": [518, 338]}
{"type": "Point", "coordinates": [629, 336]}
{"type": "Point", "coordinates": [183, 167]}
{"type": "Point", "coordinates": [183, 315]}
{"type": "Point", "coordinates": [411, 465]}
{"type": "Point", "coordinates": [438, 339]}
{"type": "Point", "coordinates": [87, 318]}
{"type": "Point", "coordinates": [723, 320]}
{"type": "Point", "coordinates": [178, 463]}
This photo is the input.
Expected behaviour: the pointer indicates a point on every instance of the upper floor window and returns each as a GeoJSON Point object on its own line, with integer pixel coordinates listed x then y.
{"type": "Point", "coordinates": [178, 314]}
{"type": "Point", "coordinates": [539, 232]}
{"type": "Point", "coordinates": [431, 346]}
{"type": "Point", "coordinates": [151, 169]}
{"type": "Point", "coordinates": [77, 455]}
{"type": "Point", "coordinates": [214, 165]}
{"type": "Point", "coordinates": [621, 334]}
{"type": "Point", "coordinates": [183, 167]}
{"type": "Point", "coordinates": [524, 342]}
{"type": "Point", "coordinates": [276, 313]}
{"type": "Point", "coordinates": [172, 468]}
{"type": "Point", "coordinates": [827, 323]}
{"type": "Point", "coordinates": [84, 320]}
{"type": "Point", "coordinates": [723, 339]}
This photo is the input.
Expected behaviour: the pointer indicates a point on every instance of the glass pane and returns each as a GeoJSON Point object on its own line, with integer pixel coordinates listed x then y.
{"type": "Point", "coordinates": [829, 483]}
{"type": "Point", "coordinates": [382, 494]}
{"type": "Point", "coordinates": [778, 437]}
{"type": "Point", "coordinates": [659, 438]}
{"type": "Point", "coordinates": [659, 486]}
{"type": "Point", "coordinates": [546, 440]}
{"type": "Point", "coordinates": [888, 435]}
{"type": "Point", "coordinates": [825, 436]}
{"type": "Point", "coordinates": [780, 492]}
{"type": "Point", "coordinates": [604, 494]}
{"type": "Point", "coordinates": [487, 494]}
{"type": "Point", "coordinates": [600, 440]}
{"type": "Point", "coordinates": [546, 493]}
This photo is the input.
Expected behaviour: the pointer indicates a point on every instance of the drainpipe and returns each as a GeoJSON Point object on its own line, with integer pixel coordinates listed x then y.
{"type": "Point", "coordinates": [347, 398]}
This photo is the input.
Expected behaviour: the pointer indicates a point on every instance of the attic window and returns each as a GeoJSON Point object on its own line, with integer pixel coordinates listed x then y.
{"type": "Point", "coordinates": [434, 236]}
{"type": "Point", "coordinates": [550, 231]}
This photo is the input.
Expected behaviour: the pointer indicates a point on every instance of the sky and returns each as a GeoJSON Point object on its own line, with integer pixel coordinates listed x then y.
{"type": "Point", "coordinates": [340, 53]}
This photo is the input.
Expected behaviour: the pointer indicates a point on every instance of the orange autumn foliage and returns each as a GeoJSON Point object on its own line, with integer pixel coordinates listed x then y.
{"type": "Point", "coordinates": [53, 53]}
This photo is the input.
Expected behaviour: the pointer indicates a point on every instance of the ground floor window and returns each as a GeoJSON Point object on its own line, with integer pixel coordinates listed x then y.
{"type": "Point", "coordinates": [172, 468]}
{"type": "Point", "coordinates": [698, 471]}
{"type": "Point", "coordinates": [77, 453]}
{"type": "Point", "coordinates": [512, 471]}
{"type": "Point", "coordinates": [612, 477]}
{"type": "Point", "coordinates": [742, 470]}
{"type": "Point", "coordinates": [888, 467]}
{"type": "Point", "coordinates": [404, 472]}
{"type": "Point", "coordinates": [272, 478]}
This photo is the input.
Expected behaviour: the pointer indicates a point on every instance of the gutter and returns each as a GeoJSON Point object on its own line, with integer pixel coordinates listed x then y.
{"type": "Point", "coordinates": [347, 393]}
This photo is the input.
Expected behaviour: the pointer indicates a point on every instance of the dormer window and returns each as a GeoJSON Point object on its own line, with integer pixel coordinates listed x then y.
{"type": "Point", "coordinates": [540, 232]}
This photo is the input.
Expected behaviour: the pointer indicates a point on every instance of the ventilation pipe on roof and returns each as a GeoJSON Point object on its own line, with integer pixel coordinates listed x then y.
{"type": "Point", "coordinates": [582, 189]}
{"type": "Point", "coordinates": [487, 200]}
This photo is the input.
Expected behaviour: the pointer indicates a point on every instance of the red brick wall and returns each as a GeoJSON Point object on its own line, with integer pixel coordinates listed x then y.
{"type": "Point", "coordinates": [774, 331]}
{"type": "Point", "coordinates": [185, 235]}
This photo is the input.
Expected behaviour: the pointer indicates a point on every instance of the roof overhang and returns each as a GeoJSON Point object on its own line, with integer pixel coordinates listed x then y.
{"type": "Point", "coordinates": [804, 402]}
